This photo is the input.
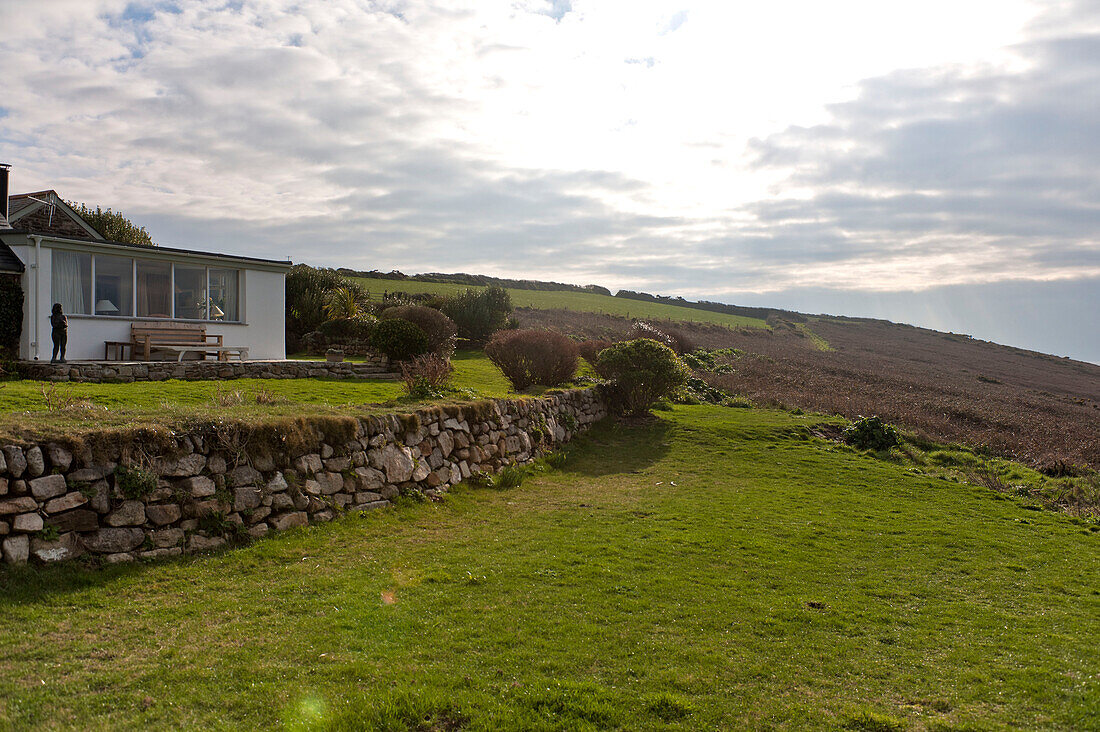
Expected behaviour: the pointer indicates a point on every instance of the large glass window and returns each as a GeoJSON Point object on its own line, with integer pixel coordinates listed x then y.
{"type": "Point", "coordinates": [72, 281]}
{"type": "Point", "coordinates": [154, 288]}
{"type": "Point", "coordinates": [190, 286]}
{"type": "Point", "coordinates": [114, 285]}
{"type": "Point", "coordinates": [223, 294]}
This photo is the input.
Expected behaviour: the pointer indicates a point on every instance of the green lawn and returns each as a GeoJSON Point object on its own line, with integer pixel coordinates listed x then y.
{"type": "Point", "coordinates": [24, 404]}
{"type": "Point", "coordinates": [579, 301]}
{"type": "Point", "coordinates": [713, 570]}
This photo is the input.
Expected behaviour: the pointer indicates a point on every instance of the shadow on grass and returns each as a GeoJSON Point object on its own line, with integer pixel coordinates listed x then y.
{"type": "Point", "coordinates": [612, 447]}
{"type": "Point", "coordinates": [608, 448]}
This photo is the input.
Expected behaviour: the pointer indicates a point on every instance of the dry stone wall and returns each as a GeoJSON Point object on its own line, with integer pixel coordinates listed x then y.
{"type": "Point", "coordinates": [207, 487]}
{"type": "Point", "coordinates": [377, 366]}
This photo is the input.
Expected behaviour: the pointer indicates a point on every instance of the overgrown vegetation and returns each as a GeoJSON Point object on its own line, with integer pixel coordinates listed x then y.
{"type": "Point", "coordinates": [399, 339]}
{"type": "Point", "coordinates": [113, 225]}
{"type": "Point", "coordinates": [439, 329]}
{"type": "Point", "coordinates": [642, 371]}
{"type": "Point", "coordinates": [478, 314]}
{"type": "Point", "coordinates": [11, 316]}
{"type": "Point", "coordinates": [528, 357]}
{"type": "Point", "coordinates": [427, 376]}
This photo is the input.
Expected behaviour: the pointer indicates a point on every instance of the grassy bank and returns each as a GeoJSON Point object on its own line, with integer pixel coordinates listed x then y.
{"type": "Point", "coordinates": [579, 301]}
{"type": "Point", "coordinates": [715, 569]}
{"type": "Point", "coordinates": [40, 408]}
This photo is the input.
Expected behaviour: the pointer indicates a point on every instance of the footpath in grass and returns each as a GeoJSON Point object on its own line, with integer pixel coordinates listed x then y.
{"type": "Point", "coordinates": [716, 569]}
{"type": "Point", "coordinates": [585, 302]}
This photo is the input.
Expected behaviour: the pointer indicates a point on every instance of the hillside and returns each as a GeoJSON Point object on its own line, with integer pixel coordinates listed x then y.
{"type": "Point", "coordinates": [1032, 407]}
{"type": "Point", "coordinates": [571, 300]}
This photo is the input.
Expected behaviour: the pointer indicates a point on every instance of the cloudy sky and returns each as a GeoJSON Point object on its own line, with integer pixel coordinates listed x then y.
{"type": "Point", "coordinates": [933, 162]}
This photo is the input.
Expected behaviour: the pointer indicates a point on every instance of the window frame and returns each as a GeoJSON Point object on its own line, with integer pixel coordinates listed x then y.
{"type": "Point", "coordinates": [134, 259]}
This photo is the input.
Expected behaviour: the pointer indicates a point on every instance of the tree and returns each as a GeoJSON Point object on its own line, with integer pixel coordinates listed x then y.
{"type": "Point", "coordinates": [113, 225]}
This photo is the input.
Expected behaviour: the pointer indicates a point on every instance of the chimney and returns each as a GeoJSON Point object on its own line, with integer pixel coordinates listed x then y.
{"type": "Point", "coordinates": [4, 168]}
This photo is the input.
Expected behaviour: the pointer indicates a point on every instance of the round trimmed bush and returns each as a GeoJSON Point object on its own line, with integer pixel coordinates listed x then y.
{"type": "Point", "coordinates": [642, 371]}
{"type": "Point", "coordinates": [399, 339]}
{"type": "Point", "coordinates": [440, 329]}
{"type": "Point", "coordinates": [529, 357]}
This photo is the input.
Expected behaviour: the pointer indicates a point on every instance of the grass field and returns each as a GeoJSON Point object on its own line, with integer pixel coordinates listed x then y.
{"type": "Point", "coordinates": [24, 405]}
{"type": "Point", "coordinates": [579, 301]}
{"type": "Point", "coordinates": [713, 570]}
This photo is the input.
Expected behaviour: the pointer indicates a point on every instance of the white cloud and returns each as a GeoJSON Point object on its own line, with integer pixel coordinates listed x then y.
{"type": "Point", "coordinates": [591, 140]}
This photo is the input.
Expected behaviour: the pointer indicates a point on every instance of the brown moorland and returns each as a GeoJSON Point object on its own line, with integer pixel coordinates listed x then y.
{"type": "Point", "coordinates": [1039, 409]}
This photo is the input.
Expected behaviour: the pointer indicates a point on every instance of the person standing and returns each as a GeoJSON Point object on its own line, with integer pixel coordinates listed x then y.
{"type": "Point", "coordinates": [60, 332]}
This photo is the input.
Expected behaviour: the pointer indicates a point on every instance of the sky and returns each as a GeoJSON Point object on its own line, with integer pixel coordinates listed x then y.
{"type": "Point", "coordinates": [934, 163]}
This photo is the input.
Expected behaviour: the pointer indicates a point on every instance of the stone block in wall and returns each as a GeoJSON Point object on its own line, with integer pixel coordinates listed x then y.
{"type": "Point", "coordinates": [36, 463]}
{"type": "Point", "coordinates": [309, 464]}
{"type": "Point", "coordinates": [200, 543]}
{"type": "Point", "coordinates": [370, 505]}
{"type": "Point", "coordinates": [100, 496]}
{"type": "Point", "coordinates": [330, 483]}
{"type": "Point", "coordinates": [67, 546]}
{"type": "Point", "coordinates": [246, 498]}
{"type": "Point", "coordinates": [187, 465]}
{"type": "Point", "coordinates": [162, 514]}
{"type": "Point", "coordinates": [286, 521]}
{"type": "Point", "coordinates": [130, 513]}
{"type": "Point", "coordinates": [197, 487]}
{"type": "Point", "coordinates": [16, 549]}
{"type": "Point", "coordinates": [259, 531]}
{"type": "Point", "coordinates": [16, 460]}
{"type": "Point", "coordinates": [21, 504]}
{"type": "Point", "coordinates": [114, 540]}
{"type": "Point", "coordinates": [277, 484]}
{"type": "Point", "coordinates": [398, 463]}
{"type": "Point", "coordinates": [3, 486]}
{"type": "Point", "coordinates": [66, 502]}
{"type": "Point", "coordinates": [281, 502]}
{"type": "Point", "coordinates": [244, 475]}
{"type": "Point", "coordinates": [167, 538]}
{"type": "Point", "coordinates": [80, 519]}
{"type": "Point", "coordinates": [27, 523]}
{"type": "Point", "coordinates": [216, 465]}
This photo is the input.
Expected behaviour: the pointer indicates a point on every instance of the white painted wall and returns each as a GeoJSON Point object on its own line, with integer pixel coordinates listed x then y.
{"type": "Point", "coordinates": [262, 295]}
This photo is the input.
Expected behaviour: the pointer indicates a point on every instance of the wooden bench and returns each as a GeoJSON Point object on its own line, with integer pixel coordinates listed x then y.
{"type": "Point", "coordinates": [175, 338]}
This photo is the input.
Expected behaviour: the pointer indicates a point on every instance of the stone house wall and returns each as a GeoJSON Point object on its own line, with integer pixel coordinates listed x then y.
{"type": "Point", "coordinates": [204, 488]}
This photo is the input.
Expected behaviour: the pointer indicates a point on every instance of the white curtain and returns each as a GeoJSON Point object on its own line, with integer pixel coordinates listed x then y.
{"type": "Point", "coordinates": [72, 281]}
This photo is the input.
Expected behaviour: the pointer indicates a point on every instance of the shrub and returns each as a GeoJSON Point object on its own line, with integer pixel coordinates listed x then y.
{"type": "Point", "coordinates": [533, 357]}
{"type": "Point", "coordinates": [643, 371]}
{"type": "Point", "coordinates": [590, 352]}
{"type": "Point", "coordinates": [871, 433]}
{"type": "Point", "coordinates": [11, 315]}
{"type": "Point", "coordinates": [440, 329]}
{"type": "Point", "coordinates": [345, 329]}
{"type": "Point", "coordinates": [399, 339]}
{"type": "Point", "coordinates": [671, 337]}
{"type": "Point", "coordinates": [345, 303]}
{"type": "Point", "coordinates": [479, 313]}
{"type": "Point", "coordinates": [426, 375]}
{"type": "Point", "coordinates": [307, 293]}
{"type": "Point", "coordinates": [134, 482]}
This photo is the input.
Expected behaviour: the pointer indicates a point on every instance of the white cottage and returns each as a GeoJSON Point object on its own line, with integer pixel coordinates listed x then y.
{"type": "Point", "coordinates": [107, 287]}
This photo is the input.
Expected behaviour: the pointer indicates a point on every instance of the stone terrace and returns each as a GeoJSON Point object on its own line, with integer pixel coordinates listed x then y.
{"type": "Point", "coordinates": [377, 367]}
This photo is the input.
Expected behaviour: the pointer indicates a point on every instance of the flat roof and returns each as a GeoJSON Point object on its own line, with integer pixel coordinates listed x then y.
{"type": "Point", "coordinates": [152, 249]}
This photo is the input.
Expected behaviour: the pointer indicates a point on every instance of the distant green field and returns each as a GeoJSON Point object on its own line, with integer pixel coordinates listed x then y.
{"type": "Point", "coordinates": [580, 301]}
